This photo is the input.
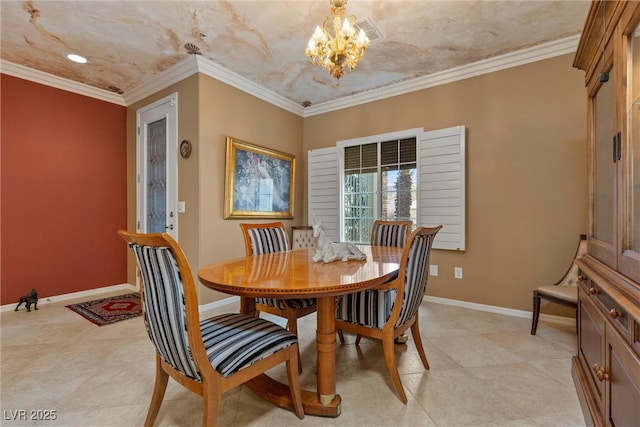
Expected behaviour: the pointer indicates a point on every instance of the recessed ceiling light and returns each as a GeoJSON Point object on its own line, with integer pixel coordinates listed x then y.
{"type": "Point", "coordinates": [76, 58]}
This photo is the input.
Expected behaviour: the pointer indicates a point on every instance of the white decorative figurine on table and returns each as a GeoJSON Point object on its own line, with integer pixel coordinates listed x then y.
{"type": "Point", "coordinates": [329, 251]}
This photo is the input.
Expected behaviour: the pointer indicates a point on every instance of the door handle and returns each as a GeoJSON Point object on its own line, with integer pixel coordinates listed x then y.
{"type": "Point", "coordinates": [169, 227]}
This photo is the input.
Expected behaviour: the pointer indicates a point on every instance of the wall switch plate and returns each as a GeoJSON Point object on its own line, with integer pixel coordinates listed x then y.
{"type": "Point", "coordinates": [457, 272]}
{"type": "Point", "coordinates": [180, 207]}
{"type": "Point", "coordinates": [433, 270]}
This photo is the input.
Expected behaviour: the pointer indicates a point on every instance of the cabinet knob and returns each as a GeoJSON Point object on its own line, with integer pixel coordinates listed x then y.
{"type": "Point", "coordinates": [601, 373]}
{"type": "Point", "coordinates": [614, 313]}
{"type": "Point", "coordinates": [581, 277]}
{"type": "Point", "coordinates": [593, 290]}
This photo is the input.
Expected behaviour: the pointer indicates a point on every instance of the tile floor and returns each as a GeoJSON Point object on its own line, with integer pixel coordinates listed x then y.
{"type": "Point", "coordinates": [486, 370]}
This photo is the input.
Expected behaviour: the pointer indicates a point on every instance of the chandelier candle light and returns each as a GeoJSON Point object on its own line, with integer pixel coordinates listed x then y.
{"type": "Point", "coordinates": [340, 50]}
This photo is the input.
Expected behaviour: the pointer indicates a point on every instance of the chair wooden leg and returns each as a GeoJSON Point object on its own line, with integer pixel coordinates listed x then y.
{"type": "Point", "coordinates": [158, 393]}
{"type": "Point", "coordinates": [536, 312]}
{"type": "Point", "coordinates": [415, 333]}
{"type": "Point", "coordinates": [390, 359]}
{"type": "Point", "coordinates": [292, 325]}
{"type": "Point", "coordinates": [212, 398]}
{"type": "Point", "coordinates": [358, 338]}
{"type": "Point", "coordinates": [341, 336]}
{"type": "Point", "coordinates": [294, 382]}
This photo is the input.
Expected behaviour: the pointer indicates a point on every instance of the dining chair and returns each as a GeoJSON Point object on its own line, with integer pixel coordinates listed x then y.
{"type": "Point", "coordinates": [211, 356]}
{"type": "Point", "coordinates": [390, 233]}
{"type": "Point", "coordinates": [387, 311]}
{"type": "Point", "coordinates": [302, 237]}
{"type": "Point", "coordinates": [564, 291]}
{"type": "Point", "coordinates": [268, 238]}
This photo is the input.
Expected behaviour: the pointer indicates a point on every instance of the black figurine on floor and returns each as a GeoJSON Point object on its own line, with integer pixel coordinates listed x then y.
{"type": "Point", "coordinates": [30, 298]}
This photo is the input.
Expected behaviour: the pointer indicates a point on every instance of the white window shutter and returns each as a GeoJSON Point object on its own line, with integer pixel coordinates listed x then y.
{"type": "Point", "coordinates": [322, 184]}
{"type": "Point", "coordinates": [441, 169]}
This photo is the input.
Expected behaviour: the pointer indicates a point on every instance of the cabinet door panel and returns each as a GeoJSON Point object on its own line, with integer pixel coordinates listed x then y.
{"type": "Point", "coordinates": [623, 385]}
{"type": "Point", "coordinates": [590, 342]}
{"type": "Point", "coordinates": [630, 158]}
{"type": "Point", "coordinates": [603, 175]}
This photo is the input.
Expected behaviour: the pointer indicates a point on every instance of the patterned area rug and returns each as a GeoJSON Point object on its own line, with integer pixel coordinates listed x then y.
{"type": "Point", "coordinates": [109, 310]}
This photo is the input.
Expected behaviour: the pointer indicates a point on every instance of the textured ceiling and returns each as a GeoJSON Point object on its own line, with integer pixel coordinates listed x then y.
{"type": "Point", "coordinates": [128, 42]}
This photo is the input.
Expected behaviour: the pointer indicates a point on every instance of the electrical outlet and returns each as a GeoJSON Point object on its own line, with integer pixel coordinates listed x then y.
{"type": "Point", "coordinates": [433, 270]}
{"type": "Point", "coordinates": [457, 272]}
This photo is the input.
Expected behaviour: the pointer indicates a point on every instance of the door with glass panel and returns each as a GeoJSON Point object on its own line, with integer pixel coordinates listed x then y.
{"type": "Point", "coordinates": [157, 176]}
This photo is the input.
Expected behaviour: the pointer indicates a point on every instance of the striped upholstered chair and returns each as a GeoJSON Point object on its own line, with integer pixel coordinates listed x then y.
{"type": "Point", "coordinates": [390, 233]}
{"type": "Point", "coordinates": [269, 238]}
{"type": "Point", "coordinates": [211, 356]}
{"type": "Point", "coordinates": [389, 310]}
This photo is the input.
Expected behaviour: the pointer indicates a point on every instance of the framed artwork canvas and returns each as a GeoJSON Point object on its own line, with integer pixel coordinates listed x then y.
{"type": "Point", "coordinates": [259, 182]}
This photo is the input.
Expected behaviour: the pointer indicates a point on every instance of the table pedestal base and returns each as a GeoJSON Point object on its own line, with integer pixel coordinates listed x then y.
{"type": "Point", "coordinates": [280, 395]}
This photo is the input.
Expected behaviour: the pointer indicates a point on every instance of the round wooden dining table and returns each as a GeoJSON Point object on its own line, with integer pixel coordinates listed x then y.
{"type": "Point", "coordinates": [293, 274]}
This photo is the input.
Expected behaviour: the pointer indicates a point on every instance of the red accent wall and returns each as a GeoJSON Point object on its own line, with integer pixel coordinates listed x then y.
{"type": "Point", "coordinates": [63, 191]}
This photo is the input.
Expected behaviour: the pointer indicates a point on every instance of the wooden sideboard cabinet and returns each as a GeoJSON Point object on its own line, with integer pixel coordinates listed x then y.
{"type": "Point", "coordinates": [606, 369]}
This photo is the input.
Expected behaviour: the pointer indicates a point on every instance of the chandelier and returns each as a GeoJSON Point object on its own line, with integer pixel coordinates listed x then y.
{"type": "Point", "coordinates": [340, 50]}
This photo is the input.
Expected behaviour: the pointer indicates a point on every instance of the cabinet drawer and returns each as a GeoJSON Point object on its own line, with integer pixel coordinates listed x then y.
{"type": "Point", "coordinates": [607, 305]}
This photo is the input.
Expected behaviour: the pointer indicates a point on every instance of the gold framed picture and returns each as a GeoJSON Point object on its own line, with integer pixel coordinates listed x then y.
{"type": "Point", "coordinates": [259, 182]}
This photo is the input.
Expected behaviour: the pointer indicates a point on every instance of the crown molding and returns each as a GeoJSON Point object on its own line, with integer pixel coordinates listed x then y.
{"type": "Point", "coordinates": [197, 64]}
{"type": "Point", "coordinates": [47, 79]}
{"type": "Point", "coordinates": [172, 75]}
{"type": "Point", "coordinates": [194, 64]}
{"type": "Point", "coordinates": [217, 72]}
{"type": "Point", "coordinates": [486, 66]}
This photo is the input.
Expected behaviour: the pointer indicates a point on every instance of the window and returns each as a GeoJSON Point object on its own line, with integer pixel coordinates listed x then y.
{"type": "Point", "coordinates": [410, 174]}
{"type": "Point", "coordinates": [379, 183]}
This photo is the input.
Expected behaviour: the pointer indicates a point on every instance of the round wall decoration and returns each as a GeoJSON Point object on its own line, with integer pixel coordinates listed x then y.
{"type": "Point", "coordinates": [185, 149]}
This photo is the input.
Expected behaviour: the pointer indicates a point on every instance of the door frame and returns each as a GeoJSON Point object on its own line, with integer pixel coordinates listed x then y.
{"type": "Point", "coordinates": [166, 108]}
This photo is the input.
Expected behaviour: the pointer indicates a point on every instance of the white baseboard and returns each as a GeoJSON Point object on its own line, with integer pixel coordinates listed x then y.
{"type": "Point", "coordinates": [206, 309]}
{"type": "Point", "coordinates": [500, 310]}
{"type": "Point", "coordinates": [94, 293]}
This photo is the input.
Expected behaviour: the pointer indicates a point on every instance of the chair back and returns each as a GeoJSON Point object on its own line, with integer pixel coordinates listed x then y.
{"type": "Point", "coordinates": [571, 276]}
{"type": "Point", "coordinates": [302, 237]}
{"type": "Point", "coordinates": [167, 303]}
{"type": "Point", "coordinates": [265, 238]}
{"type": "Point", "coordinates": [414, 270]}
{"type": "Point", "coordinates": [390, 233]}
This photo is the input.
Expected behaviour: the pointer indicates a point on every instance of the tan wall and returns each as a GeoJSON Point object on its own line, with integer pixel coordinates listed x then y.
{"type": "Point", "coordinates": [526, 173]}
{"type": "Point", "coordinates": [226, 111]}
